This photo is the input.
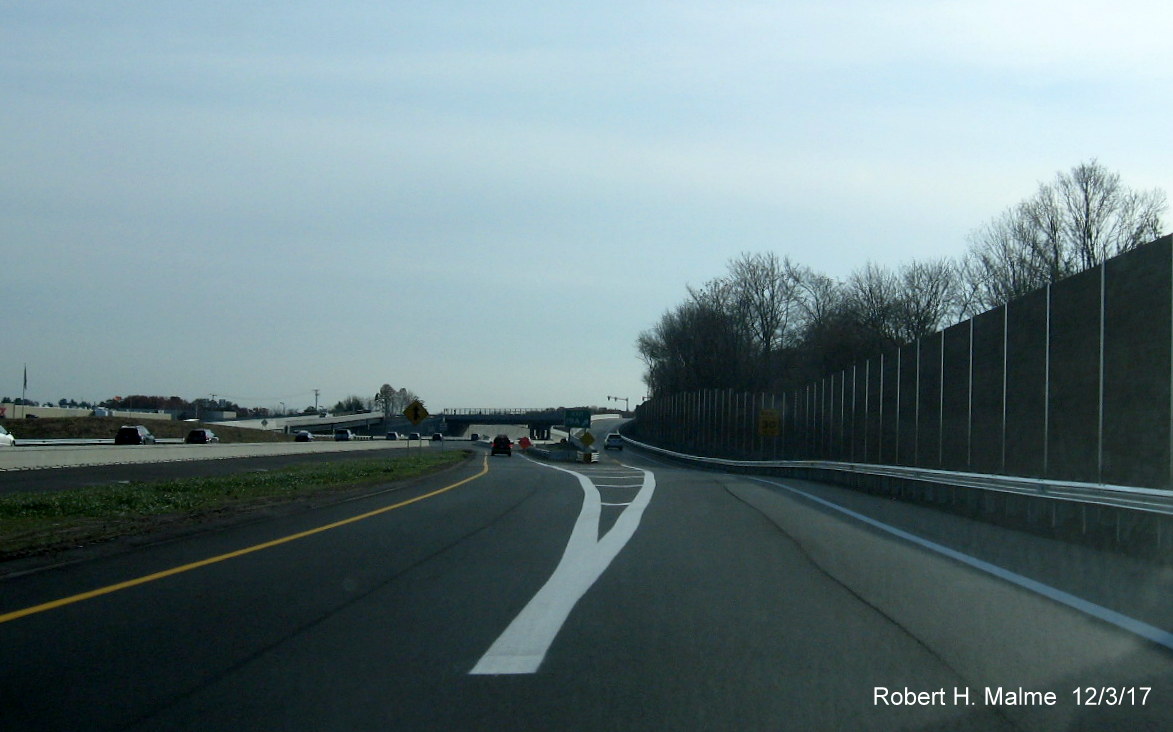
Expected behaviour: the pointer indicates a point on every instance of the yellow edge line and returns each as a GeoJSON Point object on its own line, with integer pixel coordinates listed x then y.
{"type": "Point", "coordinates": [230, 555]}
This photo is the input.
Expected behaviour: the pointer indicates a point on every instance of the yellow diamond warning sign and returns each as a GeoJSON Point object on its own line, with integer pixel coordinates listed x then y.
{"type": "Point", "coordinates": [416, 412]}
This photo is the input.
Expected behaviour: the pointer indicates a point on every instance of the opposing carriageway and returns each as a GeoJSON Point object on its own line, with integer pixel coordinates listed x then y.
{"type": "Point", "coordinates": [32, 458]}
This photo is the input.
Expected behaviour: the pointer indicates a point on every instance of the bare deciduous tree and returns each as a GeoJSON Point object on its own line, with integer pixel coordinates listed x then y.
{"type": "Point", "coordinates": [765, 295]}
{"type": "Point", "coordinates": [874, 298]}
{"type": "Point", "coordinates": [393, 401]}
{"type": "Point", "coordinates": [698, 345]}
{"type": "Point", "coordinates": [1085, 217]}
{"type": "Point", "coordinates": [927, 300]}
{"type": "Point", "coordinates": [1105, 218]}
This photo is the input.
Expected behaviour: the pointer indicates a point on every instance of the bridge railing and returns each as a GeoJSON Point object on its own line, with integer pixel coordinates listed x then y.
{"type": "Point", "coordinates": [496, 411]}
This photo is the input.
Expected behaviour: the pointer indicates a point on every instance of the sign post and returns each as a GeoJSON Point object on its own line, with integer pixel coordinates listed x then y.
{"type": "Point", "coordinates": [415, 414]}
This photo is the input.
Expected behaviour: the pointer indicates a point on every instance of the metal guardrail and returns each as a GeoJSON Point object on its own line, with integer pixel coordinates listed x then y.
{"type": "Point", "coordinates": [1116, 496]}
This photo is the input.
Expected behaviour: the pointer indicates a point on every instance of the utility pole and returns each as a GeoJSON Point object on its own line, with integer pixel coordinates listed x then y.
{"type": "Point", "coordinates": [316, 400]}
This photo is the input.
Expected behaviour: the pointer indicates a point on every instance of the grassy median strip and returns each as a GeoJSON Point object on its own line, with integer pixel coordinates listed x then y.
{"type": "Point", "coordinates": [42, 521]}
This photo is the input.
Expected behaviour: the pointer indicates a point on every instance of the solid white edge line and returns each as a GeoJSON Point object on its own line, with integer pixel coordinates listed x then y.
{"type": "Point", "coordinates": [1120, 620]}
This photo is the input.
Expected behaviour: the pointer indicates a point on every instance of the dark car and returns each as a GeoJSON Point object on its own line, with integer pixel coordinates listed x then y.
{"type": "Point", "coordinates": [392, 435]}
{"type": "Point", "coordinates": [343, 435]}
{"type": "Point", "coordinates": [614, 440]}
{"type": "Point", "coordinates": [201, 436]}
{"type": "Point", "coordinates": [303, 436]}
{"type": "Point", "coordinates": [437, 437]}
{"type": "Point", "coordinates": [502, 445]}
{"type": "Point", "coordinates": [133, 434]}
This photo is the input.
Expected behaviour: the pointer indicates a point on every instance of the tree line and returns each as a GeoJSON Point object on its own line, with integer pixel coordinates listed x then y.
{"type": "Point", "coordinates": [387, 399]}
{"type": "Point", "coordinates": [772, 324]}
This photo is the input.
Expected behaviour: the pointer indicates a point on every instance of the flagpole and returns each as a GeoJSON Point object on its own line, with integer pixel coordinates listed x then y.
{"type": "Point", "coordinates": [24, 390]}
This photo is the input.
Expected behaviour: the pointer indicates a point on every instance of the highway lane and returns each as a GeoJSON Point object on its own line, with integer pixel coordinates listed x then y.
{"type": "Point", "coordinates": [733, 605]}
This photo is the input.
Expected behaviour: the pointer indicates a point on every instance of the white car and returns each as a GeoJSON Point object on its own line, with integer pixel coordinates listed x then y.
{"type": "Point", "coordinates": [6, 438]}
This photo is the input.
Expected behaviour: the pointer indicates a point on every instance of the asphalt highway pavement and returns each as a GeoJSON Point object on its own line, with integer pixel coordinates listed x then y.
{"type": "Point", "coordinates": [512, 594]}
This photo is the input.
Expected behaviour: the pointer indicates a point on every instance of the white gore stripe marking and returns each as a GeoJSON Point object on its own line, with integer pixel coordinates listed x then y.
{"type": "Point", "coordinates": [522, 647]}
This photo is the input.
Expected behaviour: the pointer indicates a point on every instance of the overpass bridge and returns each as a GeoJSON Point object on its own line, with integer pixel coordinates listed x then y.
{"type": "Point", "coordinates": [454, 422]}
{"type": "Point", "coordinates": [539, 420]}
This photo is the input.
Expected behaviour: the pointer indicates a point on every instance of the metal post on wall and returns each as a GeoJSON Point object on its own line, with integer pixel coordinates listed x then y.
{"type": "Point", "coordinates": [941, 408]}
{"type": "Point", "coordinates": [713, 420]}
{"type": "Point", "coordinates": [715, 417]}
{"type": "Point", "coordinates": [867, 406]}
{"type": "Point", "coordinates": [749, 424]}
{"type": "Point", "coordinates": [843, 437]}
{"type": "Point", "coordinates": [693, 415]}
{"type": "Point", "coordinates": [813, 416]}
{"type": "Point", "coordinates": [755, 417]}
{"type": "Point", "coordinates": [719, 410]}
{"type": "Point", "coordinates": [854, 406]}
{"type": "Point", "coordinates": [1005, 362]}
{"type": "Point", "coordinates": [704, 425]}
{"type": "Point", "coordinates": [763, 451]}
{"type": "Point", "coordinates": [743, 422]}
{"type": "Point", "coordinates": [781, 424]}
{"type": "Point", "coordinates": [829, 409]}
{"type": "Point", "coordinates": [698, 429]}
{"type": "Point", "coordinates": [805, 405]}
{"type": "Point", "coordinates": [880, 405]}
{"type": "Point", "coordinates": [832, 422]}
{"type": "Point", "coordinates": [969, 405]}
{"type": "Point", "coordinates": [710, 419]}
{"type": "Point", "coordinates": [1047, 390]}
{"type": "Point", "coordinates": [832, 453]}
{"type": "Point", "coordinates": [786, 416]}
{"type": "Point", "coordinates": [899, 379]}
{"type": "Point", "coordinates": [817, 419]}
{"type": "Point", "coordinates": [730, 444]}
{"type": "Point", "coordinates": [820, 418]}
{"type": "Point", "coordinates": [916, 412]}
{"type": "Point", "coordinates": [1100, 412]}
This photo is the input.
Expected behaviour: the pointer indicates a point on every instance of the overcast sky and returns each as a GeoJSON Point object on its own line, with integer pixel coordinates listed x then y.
{"type": "Point", "coordinates": [486, 202]}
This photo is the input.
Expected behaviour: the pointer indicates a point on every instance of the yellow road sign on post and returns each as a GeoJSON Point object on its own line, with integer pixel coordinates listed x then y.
{"type": "Point", "coordinates": [769, 423]}
{"type": "Point", "coordinates": [587, 439]}
{"type": "Point", "coordinates": [415, 412]}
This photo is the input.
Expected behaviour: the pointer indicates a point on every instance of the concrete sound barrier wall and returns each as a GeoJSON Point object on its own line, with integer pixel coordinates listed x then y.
{"type": "Point", "coordinates": [1072, 382]}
